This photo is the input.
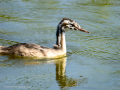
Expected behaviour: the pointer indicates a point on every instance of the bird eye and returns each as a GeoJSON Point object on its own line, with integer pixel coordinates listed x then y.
{"type": "Point", "coordinates": [72, 24]}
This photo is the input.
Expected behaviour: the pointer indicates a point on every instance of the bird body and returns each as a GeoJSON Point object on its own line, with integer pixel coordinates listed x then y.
{"type": "Point", "coordinates": [31, 50]}
{"type": "Point", "coordinates": [34, 50]}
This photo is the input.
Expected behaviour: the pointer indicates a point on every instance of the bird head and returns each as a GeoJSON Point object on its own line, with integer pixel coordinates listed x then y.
{"type": "Point", "coordinates": [71, 24]}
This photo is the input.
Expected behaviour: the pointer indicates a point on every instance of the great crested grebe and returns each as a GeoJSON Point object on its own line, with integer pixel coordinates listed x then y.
{"type": "Point", "coordinates": [34, 50]}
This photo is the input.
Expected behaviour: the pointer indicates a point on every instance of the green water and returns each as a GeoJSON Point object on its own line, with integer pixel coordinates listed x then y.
{"type": "Point", "coordinates": [93, 60]}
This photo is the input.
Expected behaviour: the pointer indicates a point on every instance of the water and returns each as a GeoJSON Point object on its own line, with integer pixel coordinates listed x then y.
{"type": "Point", "coordinates": [93, 60]}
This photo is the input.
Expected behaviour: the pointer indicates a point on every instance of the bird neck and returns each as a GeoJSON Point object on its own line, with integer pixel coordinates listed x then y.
{"type": "Point", "coordinates": [60, 38]}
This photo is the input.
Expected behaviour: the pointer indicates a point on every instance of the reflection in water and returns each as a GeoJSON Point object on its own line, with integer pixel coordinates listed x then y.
{"type": "Point", "coordinates": [62, 79]}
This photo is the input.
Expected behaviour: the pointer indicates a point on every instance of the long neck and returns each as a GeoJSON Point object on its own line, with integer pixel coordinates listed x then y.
{"type": "Point", "coordinates": [60, 38]}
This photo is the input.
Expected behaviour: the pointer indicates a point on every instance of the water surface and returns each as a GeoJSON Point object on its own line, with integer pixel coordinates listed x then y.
{"type": "Point", "coordinates": [93, 60]}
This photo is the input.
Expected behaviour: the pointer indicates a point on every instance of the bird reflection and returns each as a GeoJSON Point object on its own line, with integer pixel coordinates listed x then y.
{"type": "Point", "coordinates": [62, 79]}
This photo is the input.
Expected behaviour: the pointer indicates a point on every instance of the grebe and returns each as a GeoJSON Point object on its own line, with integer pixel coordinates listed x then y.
{"type": "Point", "coordinates": [34, 50]}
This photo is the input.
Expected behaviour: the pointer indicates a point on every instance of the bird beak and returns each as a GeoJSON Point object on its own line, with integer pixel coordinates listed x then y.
{"type": "Point", "coordinates": [81, 29]}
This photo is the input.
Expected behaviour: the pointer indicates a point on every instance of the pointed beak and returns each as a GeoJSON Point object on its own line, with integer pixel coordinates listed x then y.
{"type": "Point", "coordinates": [81, 29]}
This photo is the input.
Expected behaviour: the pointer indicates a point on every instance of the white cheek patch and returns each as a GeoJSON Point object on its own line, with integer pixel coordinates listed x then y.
{"type": "Point", "coordinates": [68, 26]}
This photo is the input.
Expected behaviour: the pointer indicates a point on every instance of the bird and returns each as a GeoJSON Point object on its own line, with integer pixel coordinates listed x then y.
{"type": "Point", "coordinates": [34, 50]}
